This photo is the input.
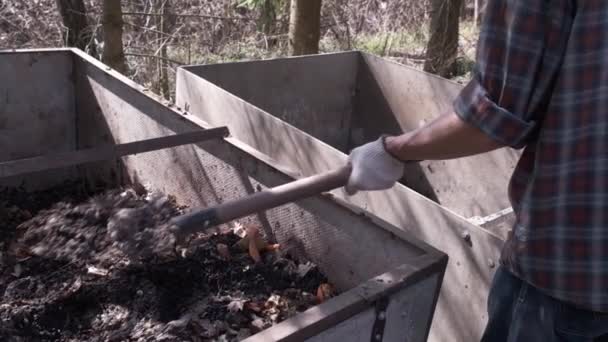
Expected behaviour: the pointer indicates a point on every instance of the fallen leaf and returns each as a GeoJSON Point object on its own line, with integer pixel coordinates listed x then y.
{"type": "Point", "coordinates": [180, 323]}
{"type": "Point", "coordinates": [239, 230]}
{"type": "Point", "coordinates": [303, 269]}
{"type": "Point", "coordinates": [236, 305]}
{"type": "Point", "coordinates": [272, 248]}
{"type": "Point", "coordinates": [97, 271]}
{"type": "Point", "coordinates": [274, 300]}
{"type": "Point", "coordinates": [254, 252]}
{"type": "Point", "coordinates": [259, 242]}
{"type": "Point", "coordinates": [324, 292]}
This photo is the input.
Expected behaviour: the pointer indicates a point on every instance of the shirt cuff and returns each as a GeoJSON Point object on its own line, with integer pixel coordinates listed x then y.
{"type": "Point", "coordinates": [474, 106]}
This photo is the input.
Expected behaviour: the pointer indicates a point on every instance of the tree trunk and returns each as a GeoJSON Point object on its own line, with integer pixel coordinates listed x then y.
{"type": "Point", "coordinates": [481, 9]}
{"type": "Point", "coordinates": [77, 32]}
{"type": "Point", "coordinates": [269, 17]}
{"type": "Point", "coordinates": [113, 54]}
{"type": "Point", "coordinates": [476, 14]}
{"type": "Point", "coordinates": [163, 77]}
{"type": "Point", "coordinates": [304, 27]}
{"type": "Point", "coordinates": [442, 48]}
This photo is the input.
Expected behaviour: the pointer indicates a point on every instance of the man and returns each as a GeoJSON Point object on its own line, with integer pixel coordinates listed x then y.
{"type": "Point", "coordinates": [541, 84]}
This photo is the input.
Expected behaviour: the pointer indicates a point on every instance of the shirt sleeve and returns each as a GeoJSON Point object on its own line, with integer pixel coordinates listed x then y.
{"type": "Point", "coordinates": [519, 53]}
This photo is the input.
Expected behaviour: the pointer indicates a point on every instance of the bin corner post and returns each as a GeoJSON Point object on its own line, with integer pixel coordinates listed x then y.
{"type": "Point", "coordinates": [380, 322]}
{"type": "Point", "coordinates": [441, 265]}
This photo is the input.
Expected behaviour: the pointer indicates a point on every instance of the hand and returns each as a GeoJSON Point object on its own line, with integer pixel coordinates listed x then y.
{"type": "Point", "coordinates": [373, 168]}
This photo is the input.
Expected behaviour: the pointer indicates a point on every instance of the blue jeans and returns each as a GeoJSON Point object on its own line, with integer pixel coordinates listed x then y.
{"type": "Point", "coordinates": [518, 312]}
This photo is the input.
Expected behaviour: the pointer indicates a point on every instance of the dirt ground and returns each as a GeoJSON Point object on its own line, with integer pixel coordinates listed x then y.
{"type": "Point", "coordinates": [62, 277]}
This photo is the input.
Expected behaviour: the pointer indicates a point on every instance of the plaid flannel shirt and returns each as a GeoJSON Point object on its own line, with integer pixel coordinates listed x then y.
{"type": "Point", "coordinates": [541, 83]}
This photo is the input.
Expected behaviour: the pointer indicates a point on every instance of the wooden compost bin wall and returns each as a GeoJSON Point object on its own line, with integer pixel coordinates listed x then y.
{"type": "Point", "coordinates": [111, 109]}
{"type": "Point", "coordinates": [348, 99]}
{"type": "Point", "coordinates": [403, 313]}
{"type": "Point", "coordinates": [313, 93]}
{"type": "Point", "coordinates": [211, 172]}
{"type": "Point", "coordinates": [469, 271]}
{"type": "Point", "coordinates": [37, 113]}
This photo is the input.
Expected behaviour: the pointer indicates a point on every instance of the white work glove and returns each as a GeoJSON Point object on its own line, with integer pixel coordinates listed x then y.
{"type": "Point", "coordinates": [373, 168]}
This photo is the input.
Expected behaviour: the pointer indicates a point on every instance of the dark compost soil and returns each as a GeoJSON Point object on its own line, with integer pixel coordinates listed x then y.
{"type": "Point", "coordinates": [62, 278]}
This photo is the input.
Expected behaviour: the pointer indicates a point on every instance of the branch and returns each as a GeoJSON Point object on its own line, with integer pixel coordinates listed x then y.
{"type": "Point", "coordinates": [152, 56]}
{"type": "Point", "coordinates": [148, 29]}
{"type": "Point", "coordinates": [186, 16]}
{"type": "Point", "coordinates": [172, 36]}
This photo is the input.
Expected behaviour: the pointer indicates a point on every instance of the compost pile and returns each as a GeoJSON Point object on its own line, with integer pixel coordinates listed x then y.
{"type": "Point", "coordinates": [64, 278]}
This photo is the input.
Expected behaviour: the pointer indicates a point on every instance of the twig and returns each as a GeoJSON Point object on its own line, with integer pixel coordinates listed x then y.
{"type": "Point", "coordinates": [189, 16]}
{"type": "Point", "coordinates": [135, 54]}
{"type": "Point", "coordinates": [184, 15]}
{"type": "Point", "coordinates": [148, 29]}
{"type": "Point", "coordinates": [164, 43]}
{"type": "Point", "coordinates": [19, 28]}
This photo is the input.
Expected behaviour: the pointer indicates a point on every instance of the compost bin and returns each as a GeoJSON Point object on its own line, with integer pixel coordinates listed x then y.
{"type": "Point", "coordinates": [307, 112]}
{"type": "Point", "coordinates": [64, 118]}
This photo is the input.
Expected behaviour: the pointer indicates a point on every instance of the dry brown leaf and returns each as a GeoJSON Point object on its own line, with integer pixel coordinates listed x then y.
{"type": "Point", "coordinates": [259, 242]}
{"type": "Point", "coordinates": [253, 243]}
{"type": "Point", "coordinates": [252, 231]}
{"type": "Point", "coordinates": [272, 248]}
{"type": "Point", "coordinates": [254, 252]}
{"type": "Point", "coordinates": [324, 292]}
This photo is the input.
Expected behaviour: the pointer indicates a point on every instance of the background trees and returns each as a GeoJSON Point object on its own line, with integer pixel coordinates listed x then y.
{"type": "Point", "coordinates": [147, 39]}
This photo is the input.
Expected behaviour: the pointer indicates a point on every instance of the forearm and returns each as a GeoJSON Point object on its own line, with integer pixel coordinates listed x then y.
{"type": "Point", "coordinates": [446, 137]}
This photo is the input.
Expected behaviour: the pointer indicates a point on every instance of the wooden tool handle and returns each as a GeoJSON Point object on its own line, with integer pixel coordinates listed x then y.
{"type": "Point", "coordinates": [260, 201]}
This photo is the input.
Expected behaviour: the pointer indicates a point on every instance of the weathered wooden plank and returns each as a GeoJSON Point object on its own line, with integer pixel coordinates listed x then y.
{"type": "Point", "coordinates": [72, 158]}
{"type": "Point", "coordinates": [472, 260]}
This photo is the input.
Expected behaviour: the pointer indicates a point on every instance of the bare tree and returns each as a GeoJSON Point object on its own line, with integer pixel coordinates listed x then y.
{"type": "Point", "coordinates": [113, 53]}
{"type": "Point", "coordinates": [442, 48]}
{"type": "Point", "coordinates": [77, 31]}
{"type": "Point", "coordinates": [480, 9]}
{"type": "Point", "coordinates": [304, 27]}
{"type": "Point", "coordinates": [163, 77]}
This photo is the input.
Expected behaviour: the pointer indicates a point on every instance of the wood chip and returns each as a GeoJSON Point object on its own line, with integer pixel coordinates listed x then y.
{"type": "Point", "coordinates": [97, 271]}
